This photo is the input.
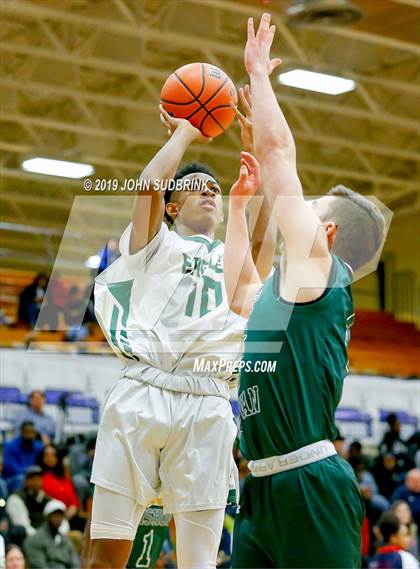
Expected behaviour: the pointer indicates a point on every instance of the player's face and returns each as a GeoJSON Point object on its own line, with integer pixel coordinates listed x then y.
{"type": "Point", "coordinates": [200, 209]}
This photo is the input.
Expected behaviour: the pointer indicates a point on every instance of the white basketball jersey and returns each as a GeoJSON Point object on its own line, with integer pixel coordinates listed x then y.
{"type": "Point", "coordinates": [166, 305]}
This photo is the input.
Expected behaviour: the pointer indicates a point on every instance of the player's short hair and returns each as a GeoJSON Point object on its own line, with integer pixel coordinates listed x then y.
{"type": "Point", "coordinates": [361, 226]}
{"type": "Point", "coordinates": [190, 168]}
{"type": "Point", "coordinates": [388, 524]}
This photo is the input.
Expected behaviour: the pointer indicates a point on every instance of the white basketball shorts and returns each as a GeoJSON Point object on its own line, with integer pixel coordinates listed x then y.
{"type": "Point", "coordinates": [156, 443]}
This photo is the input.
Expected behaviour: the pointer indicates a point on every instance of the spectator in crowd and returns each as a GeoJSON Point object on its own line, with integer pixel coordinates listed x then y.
{"type": "Point", "coordinates": [392, 553]}
{"type": "Point", "coordinates": [355, 451]}
{"type": "Point", "coordinates": [81, 473]}
{"type": "Point", "coordinates": [14, 557]}
{"type": "Point", "coordinates": [25, 507]}
{"type": "Point", "coordinates": [410, 492]}
{"type": "Point", "coordinates": [30, 300]}
{"type": "Point", "coordinates": [48, 547]}
{"type": "Point", "coordinates": [403, 513]}
{"type": "Point", "coordinates": [20, 453]}
{"type": "Point", "coordinates": [367, 484]}
{"type": "Point", "coordinates": [392, 441]}
{"type": "Point", "coordinates": [56, 483]}
{"type": "Point", "coordinates": [108, 255]}
{"type": "Point", "coordinates": [74, 314]}
{"type": "Point", "coordinates": [386, 474]}
{"type": "Point", "coordinates": [44, 423]}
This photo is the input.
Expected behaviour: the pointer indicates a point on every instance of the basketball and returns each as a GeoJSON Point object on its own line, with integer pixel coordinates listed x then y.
{"type": "Point", "coordinates": [200, 93]}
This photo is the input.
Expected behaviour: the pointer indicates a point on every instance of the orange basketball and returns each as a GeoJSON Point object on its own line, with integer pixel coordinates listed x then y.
{"type": "Point", "coordinates": [201, 93]}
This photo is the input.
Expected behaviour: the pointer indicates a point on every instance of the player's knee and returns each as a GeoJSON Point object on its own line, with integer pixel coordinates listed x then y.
{"type": "Point", "coordinates": [109, 554]}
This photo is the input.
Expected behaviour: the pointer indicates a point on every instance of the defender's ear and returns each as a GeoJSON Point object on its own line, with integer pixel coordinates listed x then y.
{"type": "Point", "coordinates": [331, 229]}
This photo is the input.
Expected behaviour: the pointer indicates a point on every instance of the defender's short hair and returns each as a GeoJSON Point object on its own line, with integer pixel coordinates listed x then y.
{"type": "Point", "coordinates": [190, 168]}
{"type": "Point", "coordinates": [361, 226]}
{"type": "Point", "coordinates": [388, 524]}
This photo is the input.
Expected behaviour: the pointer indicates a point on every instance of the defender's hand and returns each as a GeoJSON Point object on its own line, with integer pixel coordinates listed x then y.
{"type": "Point", "coordinates": [257, 48]}
{"type": "Point", "coordinates": [173, 123]}
{"type": "Point", "coordinates": [244, 120]}
{"type": "Point", "coordinates": [248, 182]}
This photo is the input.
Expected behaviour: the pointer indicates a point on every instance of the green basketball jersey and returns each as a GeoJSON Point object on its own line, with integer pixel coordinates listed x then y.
{"type": "Point", "coordinates": [294, 405]}
{"type": "Point", "coordinates": [149, 539]}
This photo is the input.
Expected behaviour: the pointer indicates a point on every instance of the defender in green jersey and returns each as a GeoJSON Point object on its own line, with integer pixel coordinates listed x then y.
{"type": "Point", "coordinates": [301, 507]}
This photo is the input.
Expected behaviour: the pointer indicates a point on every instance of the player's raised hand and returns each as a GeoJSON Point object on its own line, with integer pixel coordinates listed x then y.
{"type": "Point", "coordinates": [248, 182]}
{"type": "Point", "coordinates": [244, 118]}
{"type": "Point", "coordinates": [257, 48]}
{"type": "Point", "coordinates": [173, 123]}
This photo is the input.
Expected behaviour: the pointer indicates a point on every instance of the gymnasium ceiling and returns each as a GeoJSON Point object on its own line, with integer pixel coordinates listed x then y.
{"type": "Point", "coordinates": [81, 81]}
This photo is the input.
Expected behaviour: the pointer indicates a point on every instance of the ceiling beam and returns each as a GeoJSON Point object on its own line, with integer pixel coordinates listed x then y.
{"type": "Point", "coordinates": [245, 10]}
{"type": "Point", "coordinates": [138, 70]}
{"type": "Point", "coordinates": [125, 102]}
{"type": "Point", "coordinates": [25, 9]}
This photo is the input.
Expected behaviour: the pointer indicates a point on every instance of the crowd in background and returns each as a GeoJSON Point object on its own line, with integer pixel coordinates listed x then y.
{"type": "Point", "coordinates": [46, 494]}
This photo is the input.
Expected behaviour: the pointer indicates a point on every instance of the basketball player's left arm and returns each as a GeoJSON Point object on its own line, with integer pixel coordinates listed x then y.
{"type": "Point", "coordinates": [262, 225]}
{"type": "Point", "coordinates": [307, 254]}
{"type": "Point", "coordinates": [242, 280]}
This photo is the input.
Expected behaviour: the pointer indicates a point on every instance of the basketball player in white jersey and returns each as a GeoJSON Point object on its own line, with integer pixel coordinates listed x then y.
{"type": "Point", "coordinates": [167, 431]}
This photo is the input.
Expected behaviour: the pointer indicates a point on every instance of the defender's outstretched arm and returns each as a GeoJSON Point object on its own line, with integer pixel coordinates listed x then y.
{"type": "Point", "coordinates": [241, 276]}
{"type": "Point", "coordinates": [262, 225]}
{"type": "Point", "coordinates": [306, 241]}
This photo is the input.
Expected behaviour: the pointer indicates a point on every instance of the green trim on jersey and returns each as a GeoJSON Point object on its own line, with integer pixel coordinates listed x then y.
{"type": "Point", "coordinates": [211, 245]}
{"type": "Point", "coordinates": [122, 293]}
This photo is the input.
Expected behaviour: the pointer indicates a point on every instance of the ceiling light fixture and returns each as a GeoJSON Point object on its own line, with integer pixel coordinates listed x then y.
{"type": "Point", "coordinates": [60, 168]}
{"type": "Point", "coordinates": [319, 82]}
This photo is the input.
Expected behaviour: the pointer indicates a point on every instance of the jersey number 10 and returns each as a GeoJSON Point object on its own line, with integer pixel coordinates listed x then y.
{"type": "Point", "coordinates": [208, 285]}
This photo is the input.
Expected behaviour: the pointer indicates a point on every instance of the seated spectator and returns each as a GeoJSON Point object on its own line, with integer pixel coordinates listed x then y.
{"type": "Point", "coordinates": [367, 484]}
{"type": "Point", "coordinates": [44, 423]}
{"type": "Point", "coordinates": [355, 450]}
{"type": "Point", "coordinates": [392, 442]}
{"type": "Point", "coordinates": [82, 472]}
{"type": "Point", "coordinates": [403, 513]}
{"type": "Point", "coordinates": [20, 453]}
{"type": "Point", "coordinates": [386, 474]}
{"type": "Point", "coordinates": [410, 492]}
{"type": "Point", "coordinates": [30, 300]}
{"type": "Point", "coordinates": [74, 316]}
{"type": "Point", "coordinates": [48, 547]}
{"type": "Point", "coordinates": [25, 507]}
{"type": "Point", "coordinates": [14, 557]}
{"type": "Point", "coordinates": [55, 481]}
{"type": "Point", "coordinates": [392, 553]}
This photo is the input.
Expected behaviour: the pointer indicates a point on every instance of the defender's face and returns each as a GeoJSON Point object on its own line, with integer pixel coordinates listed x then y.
{"type": "Point", "coordinates": [201, 208]}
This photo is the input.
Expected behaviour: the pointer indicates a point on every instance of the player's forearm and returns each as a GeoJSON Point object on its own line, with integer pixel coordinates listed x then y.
{"type": "Point", "coordinates": [263, 229]}
{"type": "Point", "coordinates": [149, 207]}
{"type": "Point", "coordinates": [239, 267]}
{"type": "Point", "coordinates": [165, 163]}
{"type": "Point", "coordinates": [270, 129]}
